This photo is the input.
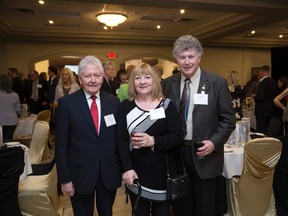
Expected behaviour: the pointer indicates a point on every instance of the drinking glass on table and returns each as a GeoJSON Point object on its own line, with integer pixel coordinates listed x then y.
{"type": "Point", "coordinates": [134, 135]}
{"type": "Point", "coordinates": [198, 144]}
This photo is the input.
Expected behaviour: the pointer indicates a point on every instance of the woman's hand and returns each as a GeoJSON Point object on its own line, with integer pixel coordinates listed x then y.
{"type": "Point", "coordinates": [129, 176]}
{"type": "Point", "coordinates": [142, 140]}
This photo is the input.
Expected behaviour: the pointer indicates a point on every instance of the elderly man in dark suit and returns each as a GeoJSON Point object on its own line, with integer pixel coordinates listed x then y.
{"type": "Point", "coordinates": [207, 116]}
{"type": "Point", "coordinates": [86, 154]}
{"type": "Point", "coordinates": [264, 104]}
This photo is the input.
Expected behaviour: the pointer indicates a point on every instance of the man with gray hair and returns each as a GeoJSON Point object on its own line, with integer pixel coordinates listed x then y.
{"type": "Point", "coordinates": [86, 153]}
{"type": "Point", "coordinates": [205, 110]}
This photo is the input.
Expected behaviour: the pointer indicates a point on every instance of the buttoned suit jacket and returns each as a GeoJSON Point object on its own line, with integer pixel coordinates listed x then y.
{"type": "Point", "coordinates": [266, 92]}
{"type": "Point", "coordinates": [214, 121]}
{"type": "Point", "coordinates": [83, 156]}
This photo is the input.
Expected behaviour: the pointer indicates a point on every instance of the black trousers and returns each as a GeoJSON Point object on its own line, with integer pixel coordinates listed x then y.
{"type": "Point", "coordinates": [207, 196]}
{"type": "Point", "coordinates": [83, 205]}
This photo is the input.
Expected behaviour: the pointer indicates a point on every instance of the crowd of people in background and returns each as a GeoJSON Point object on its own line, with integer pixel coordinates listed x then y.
{"type": "Point", "coordinates": [124, 103]}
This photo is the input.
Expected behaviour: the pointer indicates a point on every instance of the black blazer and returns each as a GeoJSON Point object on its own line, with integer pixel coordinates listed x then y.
{"type": "Point", "coordinates": [51, 89]}
{"type": "Point", "coordinates": [108, 87]}
{"type": "Point", "coordinates": [264, 104]}
{"type": "Point", "coordinates": [83, 156]}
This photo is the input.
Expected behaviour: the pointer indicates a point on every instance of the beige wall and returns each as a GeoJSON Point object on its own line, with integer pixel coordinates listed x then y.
{"type": "Point", "coordinates": [24, 55]}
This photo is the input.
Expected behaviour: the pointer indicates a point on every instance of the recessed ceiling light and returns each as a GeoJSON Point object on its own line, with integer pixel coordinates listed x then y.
{"type": "Point", "coordinates": [182, 11]}
{"type": "Point", "coordinates": [51, 22]}
{"type": "Point", "coordinates": [253, 32]}
{"type": "Point", "coordinates": [281, 36]}
{"type": "Point", "coordinates": [41, 2]}
{"type": "Point", "coordinates": [158, 27]}
{"type": "Point", "coordinates": [105, 27]}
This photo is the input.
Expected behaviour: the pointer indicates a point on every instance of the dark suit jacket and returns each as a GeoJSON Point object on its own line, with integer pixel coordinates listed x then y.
{"type": "Point", "coordinates": [214, 121]}
{"type": "Point", "coordinates": [108, 87]}
{"type": "Point", "coordinates": [82, 156]}
{"type": "Point", "coordinates": [52, 88]}
{"type": "Point", "coordinates": [264, 104]}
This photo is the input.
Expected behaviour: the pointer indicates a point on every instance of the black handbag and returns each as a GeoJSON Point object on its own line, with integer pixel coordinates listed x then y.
{"type": "Point", "coordinates": [178, 186]}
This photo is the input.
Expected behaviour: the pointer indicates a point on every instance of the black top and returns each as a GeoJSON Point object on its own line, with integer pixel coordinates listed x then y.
{"type": "Point", "coordinates": [149, 165]}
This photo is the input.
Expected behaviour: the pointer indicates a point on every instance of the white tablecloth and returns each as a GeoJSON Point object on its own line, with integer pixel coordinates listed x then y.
{"type": "Point", "coordinates": [233, 161]}
{"type": "Point", "coordinates": [27, 168]}
{"type": "Point", "coordinates": [25, 127]}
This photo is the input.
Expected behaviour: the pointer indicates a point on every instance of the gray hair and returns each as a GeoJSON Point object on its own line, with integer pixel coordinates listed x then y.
{"type": "Point", "coordinates": [106, 65]}
{"type": "Point", "coordinates": [89, 60]}
{"type": "Point", "coordinates": [187, 42]}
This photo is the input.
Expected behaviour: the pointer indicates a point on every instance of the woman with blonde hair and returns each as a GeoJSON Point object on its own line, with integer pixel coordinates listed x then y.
{"type": "Point", "coordinates": [66, 85]}
{"type": "Point", "coordinates": [148, 127]}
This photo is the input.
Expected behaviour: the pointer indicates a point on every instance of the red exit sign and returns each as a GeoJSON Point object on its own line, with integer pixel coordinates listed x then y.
{"type": "Point", "coordinates": [111, 55]}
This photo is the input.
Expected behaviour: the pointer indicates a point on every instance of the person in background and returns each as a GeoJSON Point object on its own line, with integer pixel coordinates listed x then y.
{"type": "Point", "coordinates": [264, 104]}
{"type": "Point", "coordinates": [175, 71]}
{"type": "Point", "coordinates": [53, 81]}
{"type": "Point", "coordinates": [123, 89]}
{"type": "Point", "coordinates": [18, 83]}
{"type": "Point", "coordinates": [143, 155]}
{"type": "Point", "coordinates": [282, 85]}
{"type": "Point", "coordinates": [237, 93]}
{"type": "Point", "coordinates": [119, 79]}
{"type": "Point", "coordinates": [159, 71]}
{"type": "Point", "coordinates": [43, 76]}
{"type": "Point", "coordinates": [280, 102]}
{"type": "Point", "coordinates": [107, 85]}
{"type": "Point", "coordinates": [85, 148]}
{"type": "Point", "coordinates": [36, 97]}
{"type": "Point", "coordinates": [207, 116]}
{"type": "Point", "coordinates": [76, 78]}
{"type": "Point", "coordinates": [66, 85]}
{"type": "Point", "coordinates": [251, 86]}
{"type": "Point", "coordinates": [10, 108]}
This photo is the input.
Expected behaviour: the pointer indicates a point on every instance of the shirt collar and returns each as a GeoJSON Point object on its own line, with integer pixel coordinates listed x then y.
{"type": "Point", "coordinates": [88, 96]}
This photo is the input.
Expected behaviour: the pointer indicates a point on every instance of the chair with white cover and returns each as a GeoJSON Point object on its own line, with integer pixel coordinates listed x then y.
{"type": "Point", "coordinates": [44, 115]}
{"type": "Point", "coordinates": [252, 193]}
{"type": "Point", "coordinates": [38, 195]}
{"type": "Point", "coordinates": [39, 142]}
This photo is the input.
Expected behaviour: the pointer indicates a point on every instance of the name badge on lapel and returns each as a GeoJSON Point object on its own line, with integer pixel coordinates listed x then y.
{"type": "Point", "coordinates": [157, 113]}
{"type": "Point", "coordinates": [201, 99]}
{"type": "Point", "coordinates": [109, 120]}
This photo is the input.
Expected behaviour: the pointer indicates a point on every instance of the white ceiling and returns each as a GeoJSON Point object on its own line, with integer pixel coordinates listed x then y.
{"type": "Point", "coordinates": [213, 22]}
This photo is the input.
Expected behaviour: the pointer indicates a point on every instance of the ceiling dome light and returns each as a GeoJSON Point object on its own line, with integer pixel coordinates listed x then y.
{"type": "Point", "coordinates": [281, 36]}
{"type": "Point", "coordinates": [51, 22]}
{"type": "Point", "coordinates": [111, 19]}
{"type": "Point", "coordinates": [182, 11]}
{"type": "Point", "coordinates": [41, 2]}
{"type": "Point", "coordinates": [158, 27]}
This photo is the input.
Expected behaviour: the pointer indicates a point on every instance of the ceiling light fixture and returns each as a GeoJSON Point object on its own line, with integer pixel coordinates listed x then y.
{"type": "Point", "coordinates": [280, 36]}
{"type": "Point", "coordinates": [111, 19]}
{"type": "Point", "coordinates": [182, 11]}
{"type": "Point", "coordinates": [41, 2]}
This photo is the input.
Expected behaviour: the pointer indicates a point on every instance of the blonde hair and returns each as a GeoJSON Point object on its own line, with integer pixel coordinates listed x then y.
{"type": "Point", "coordinates": [146, 69]}
{"type": "Point", "coordinates": [72, 80]}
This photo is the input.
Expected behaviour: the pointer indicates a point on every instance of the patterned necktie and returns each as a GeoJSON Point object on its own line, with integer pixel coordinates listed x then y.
{"type": "Point", "coordinates": [184, 105]}
{"type": "Point", "coordinates": [94, 112]}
